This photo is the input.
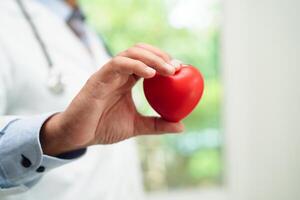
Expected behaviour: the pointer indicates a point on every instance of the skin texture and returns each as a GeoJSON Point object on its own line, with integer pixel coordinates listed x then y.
{"type": "Point", "coordinates": [103, 111]}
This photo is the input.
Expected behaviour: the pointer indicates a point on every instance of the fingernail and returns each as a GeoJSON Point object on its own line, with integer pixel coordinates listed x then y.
{"type": "Point", "coordinates": [150, 71]}
{"type": "Point", "coordinates": [176, 63]}
{"type": "Point", "coordinates": [170, 68]}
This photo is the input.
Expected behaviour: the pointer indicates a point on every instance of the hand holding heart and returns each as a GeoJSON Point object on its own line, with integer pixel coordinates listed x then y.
{"type": "Point", "coordinates": [103, 112]}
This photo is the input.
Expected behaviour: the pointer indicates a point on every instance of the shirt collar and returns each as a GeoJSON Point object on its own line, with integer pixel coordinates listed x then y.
{"type": "Point", "coordinates": [59, 7]}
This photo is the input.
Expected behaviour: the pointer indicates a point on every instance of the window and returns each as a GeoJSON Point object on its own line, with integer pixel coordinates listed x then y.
{"type": "Point", "coordinates": [188, 30]}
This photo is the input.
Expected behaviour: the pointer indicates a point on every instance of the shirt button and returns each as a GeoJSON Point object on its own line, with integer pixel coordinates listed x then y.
{"type": "Point", "coordinates": [41, 169]}
{"type": "Point", "coordinates": [25, 161]}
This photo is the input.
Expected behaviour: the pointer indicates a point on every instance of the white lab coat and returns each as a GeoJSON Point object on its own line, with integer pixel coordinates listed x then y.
{"type": "Point", "coordinates": [109, 172]}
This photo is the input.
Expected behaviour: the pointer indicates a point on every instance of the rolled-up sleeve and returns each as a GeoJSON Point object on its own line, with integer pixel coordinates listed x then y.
{"type": "Point", "coordinates": [22, 161]}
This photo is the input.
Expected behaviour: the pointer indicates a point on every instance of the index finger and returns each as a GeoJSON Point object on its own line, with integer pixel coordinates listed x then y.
{"type": "Point", "coordinates": [165, 56]}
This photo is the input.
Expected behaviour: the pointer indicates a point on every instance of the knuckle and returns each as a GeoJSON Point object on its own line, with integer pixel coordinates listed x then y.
{"type": "Point", "coordinates": [139, 64]}
{"type": "Point", "coordinates": [159, 61]}
{"type": "Point", "coordinates": [164, 54]}
{"type": "Point", "coordinates": [115, 61]}
{"type": "Point", "coordinates": [131, 51]}
{"type": "Point", "coordinates": [166, 58]}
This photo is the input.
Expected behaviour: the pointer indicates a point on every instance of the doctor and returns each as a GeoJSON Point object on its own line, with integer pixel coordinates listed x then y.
{"type": "Point", "coordinates": [64, 124]}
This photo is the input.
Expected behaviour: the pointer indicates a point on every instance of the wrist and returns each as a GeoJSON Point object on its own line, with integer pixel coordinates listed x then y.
{"type": "Point", "coordinates": [53, 137]}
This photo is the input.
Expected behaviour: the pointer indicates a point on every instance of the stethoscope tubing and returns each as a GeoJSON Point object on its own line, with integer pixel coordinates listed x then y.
{"type": "Point", "coordinates": [55, 83]}
{"type": "Point", "coordinates": [36, 33]}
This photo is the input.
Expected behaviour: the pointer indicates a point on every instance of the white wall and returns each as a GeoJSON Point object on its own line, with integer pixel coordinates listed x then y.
{"type": "Point", "coordinates": [261, 60]}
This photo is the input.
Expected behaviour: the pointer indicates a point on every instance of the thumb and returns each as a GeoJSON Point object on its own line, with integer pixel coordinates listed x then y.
{"type": "Point", "coordinates": [156, 125]}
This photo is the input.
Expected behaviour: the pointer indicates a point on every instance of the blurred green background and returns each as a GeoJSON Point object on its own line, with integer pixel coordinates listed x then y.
{"type": "Point", "coordinates": [189, 31]}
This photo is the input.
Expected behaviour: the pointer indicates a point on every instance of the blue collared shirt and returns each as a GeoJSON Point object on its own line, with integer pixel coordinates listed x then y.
{"type": "Point", "coordinates": [22, 162]}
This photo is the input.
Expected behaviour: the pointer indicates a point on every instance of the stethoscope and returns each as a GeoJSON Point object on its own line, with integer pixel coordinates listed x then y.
{"type": "Point", "coordinates": [55, 82]}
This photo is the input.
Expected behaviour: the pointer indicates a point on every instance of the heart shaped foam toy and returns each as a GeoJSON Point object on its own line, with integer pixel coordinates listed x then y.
{"type": "Point", "coordinates": [174, 97]}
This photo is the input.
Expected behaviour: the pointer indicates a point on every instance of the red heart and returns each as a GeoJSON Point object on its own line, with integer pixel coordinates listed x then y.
{"type": "Point", "coordinates": [174, 97]}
